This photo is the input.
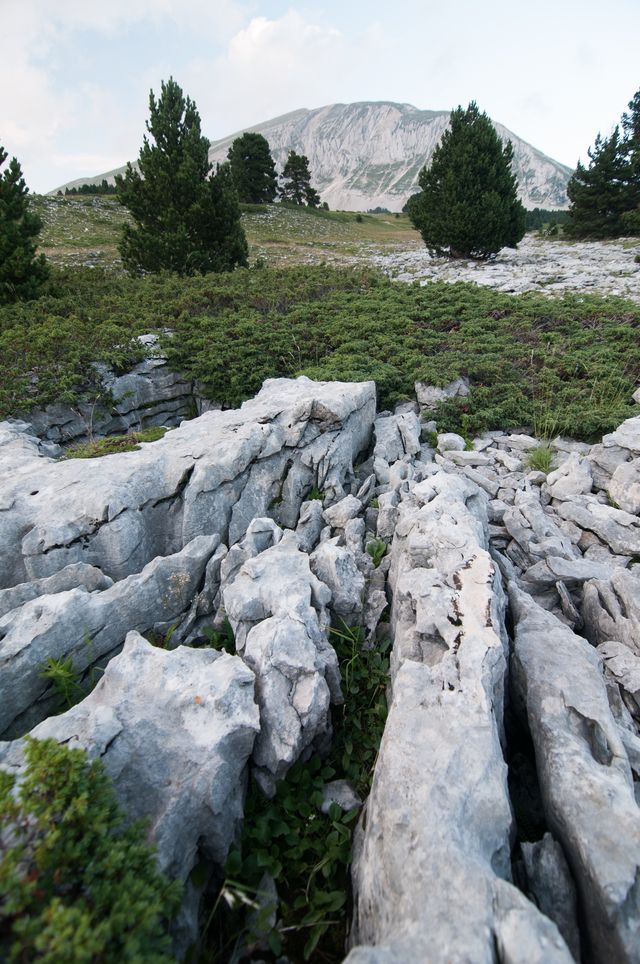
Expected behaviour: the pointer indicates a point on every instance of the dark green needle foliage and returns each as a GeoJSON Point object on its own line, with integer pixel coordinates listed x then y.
{"type": "Point", "coordinates": [22, 272]}
{"type": "Point", "coordinates": [75, 883]}
{"type": "Point", "coordinates": [605, 195]}
{"type": "Point", "coordinates": [186, 219]}
{"type": "Point", "coordinates": [254, 173]}
{"type": "Point", "coordinates": [468, 206]}
{"type": "Point", "coordinates": [296, 186]}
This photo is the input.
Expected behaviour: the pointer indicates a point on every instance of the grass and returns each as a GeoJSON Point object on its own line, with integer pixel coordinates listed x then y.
{"type": "Point", "coordinates": [540, 459]}
{"type": "Point", "coordinates": [571, 362]}
{"type": "Point", "coordinates": [115, 443]}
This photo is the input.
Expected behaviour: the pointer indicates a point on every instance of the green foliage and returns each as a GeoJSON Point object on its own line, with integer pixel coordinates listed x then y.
{"type": "Point", "coordinates": [540, 459]}
{"type": "Point", "coordinates": [540, 219]}
{"type": "Point", "coordinates": [22, 272]}
{"type": "Point", "coordinates": [221, 639]}
{"type": "Point", "coordinates": [315, 495]}
{"type": "Point", "coordinates": [377, 549]}
{"type": "Point", "coordinates": [91, 189]}
{"type": "Point", "coordinates": [296, 178]}
{"type": "Point", "coordinates": [186, 219]}
{"type": "Point", "coordinates": [605, 195]}
{"type": "Point", "coordinates": [253, 170]}
{"type": "Point", "coordinates": [62, 675]}
{"type": "Point", "coordinates": [468, 206]}
{"type": "Point", "coordinates": [115, 443]}
{"type": "Point", "coordinates": [308, 852]}
{"type": "Point", "coordinates": [76, 885]}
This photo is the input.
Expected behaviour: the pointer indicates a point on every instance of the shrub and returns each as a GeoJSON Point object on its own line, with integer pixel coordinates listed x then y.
{"type": "Point", "coordinates": [540, 459]}
{"type": "Point", "coordinates": [76, 885]}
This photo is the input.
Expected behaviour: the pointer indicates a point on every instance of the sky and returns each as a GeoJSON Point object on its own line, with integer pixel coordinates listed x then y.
{"type": "Point", "coordinates": [75, 75]}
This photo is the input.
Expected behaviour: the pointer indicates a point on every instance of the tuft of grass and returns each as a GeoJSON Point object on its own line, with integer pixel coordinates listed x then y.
{"type": "Point", "coordinates": [316, 495]}
{"type": "Point", "coordinates": [540, 459]}
{"type": "Point", "coordinates": [115, 443]}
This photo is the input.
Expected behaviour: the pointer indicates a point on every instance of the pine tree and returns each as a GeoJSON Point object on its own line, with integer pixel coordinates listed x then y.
{"type": "Point", "coordinates": [631, 127]}
{"type": "Point", "coordinates": [22, 272]}
{"type": "Point", "coordinates": [599, 192]}
{"type": "Point", "coordinates": [297, 181]}
{"type": "Point", "coordinates": [468, 206]}
{"type": "Point", "coordinates": [254, 173]}
{"type": "Point", "coordinates": [187, 219]}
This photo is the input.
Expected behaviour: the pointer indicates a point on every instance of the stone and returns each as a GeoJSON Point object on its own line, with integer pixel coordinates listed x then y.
{"type": "Point", "coordinates": [572, 477]}
{"type": "Point", "coordinates": [342, 793]}
{"type": "Point", "coordinates": [468, 458]}
{"type": "Point", "coordinates": [429, 396]}
{"type": "Point", "coordinates": [550, 882]}
{"type": "Point", "coordinates": [584, 772]}
{"type": "Point", "coordinates": [636, 396]}
{"type": "Point", "coordinates": [572, 572]}
{"type": "Point", "coordinates": [611, 609]}
{"type": "Point", "coordinates": [336, 567]}
{"type": "Point", "coordinates": [619, 530]}
{"type": "Point", "coordinates": [310, 525]}
{"type": "Point", "coordinates": [417, 894]}
{"type": "Point", "coordinates": [521, 443]}
{"type": "Point", "coordinates": [604, 461]}
{"type": "Point", "coordinates": [510, 462]}
{"type": "Point", "coordinates": [535, 531]}
{"type": "Point", "coordinates": [174, 731]}
{"type": "Point", "coordinates": [623, 665]}
{"type": "Point", "coordinates": [88, 627]}
{"type": "Point", "coordinates": [341, 512]}
{"type": "Point", "coordinates": [450, 442]}
{"type": "Point", "coordinates": [396, 436]}
{"type": "Point", "coordinates": [213, 474]}
{"type": "Point", "coordinates": [78, 575]}
{"type": "Point", "coordinates": [626, 436]}
{"type": "Point", "coordinates": [624, 486]}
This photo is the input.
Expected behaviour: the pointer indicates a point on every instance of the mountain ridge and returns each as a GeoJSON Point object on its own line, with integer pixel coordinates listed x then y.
{"type": "Point", "coordinates": [368, 154]}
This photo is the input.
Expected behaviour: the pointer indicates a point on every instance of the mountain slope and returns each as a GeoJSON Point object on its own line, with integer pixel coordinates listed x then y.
{"type": "Point", "coordinates": [367, 154]}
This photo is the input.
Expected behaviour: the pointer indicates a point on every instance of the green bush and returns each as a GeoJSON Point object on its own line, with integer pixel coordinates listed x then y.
{"type": "Point", "coordinates": [75, 884]}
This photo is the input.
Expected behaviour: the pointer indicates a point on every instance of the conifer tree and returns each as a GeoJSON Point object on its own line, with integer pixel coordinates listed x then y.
{"type": "Point", "coordinates": [254, 173]}
{"type": "Point", "coordinates": [186, 219]}
{"type": "Point", "coordinates": [598, 192]}
{"type": "Point", "coordinates": [22, 272]}
{"type": "Point", "coordinates": [297, 181]}
{"type": "Point", "coordinates": [631, 128]}
{"type": "Point", "coordinates": [468, 206]}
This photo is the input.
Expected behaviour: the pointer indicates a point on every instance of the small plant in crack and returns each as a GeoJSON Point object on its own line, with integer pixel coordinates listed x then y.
{"type": "Point", "coordinates": [316, 494]}
{"type": "Point", "coordinates": [377, 549]}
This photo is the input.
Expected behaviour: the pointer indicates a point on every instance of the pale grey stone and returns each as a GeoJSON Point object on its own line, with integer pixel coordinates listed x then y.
{"type": "Point", "coordinates": [396, 436]}
{"type": "Point", "coordinates": [338, 514]}
{"type": "Point", "coordinates": [76, 576]}
{"type": "Point", "coordinates": [510, 462]}
{"type": "Point", "coordinates": [611, 609]}
{"type": "Point", "coordinates": [342, 793]}
{"type": "Point", "coordinates": [87, 626]}
{"type": "Point", "coordinates": [336, 567]}
{"type": "Point", "coordinates": [619, 530]}
{"type": "Point", "coordinates": [521, 443]}
{"type": "Point", "coordinates": [174, 731]}
{"type": "Point", "coordinates": [604, 461]}
{"type": "Point", "coordinates": [623, 665]}
{"type": "Point", "coordinates": [310, 525]}
{"type": "Point", "coordinates": [535, 531]}
{"type": "Point", "coordinates": [450, 442]}
{"type": "Point", "coordinates": [467, 458]}
{"type": "Point", "coordinates": [626, 436]}
{"type": "Point", "coordinates": [572, 477]}
{"type": "Point", "coordinates": [624, 486]}
{"type": "Point", "coordinates": [573, 572]}
{"type": "Point", "coordinates": [429, 396]}
{"type": "Point", "coordinates": [550, 882]}
{"type": "Point", "coordinates": [636, 396]}
{"type": "Point", "coordinates": [214, 474]}
{"type": "Point", "coordinates": [584, 773]}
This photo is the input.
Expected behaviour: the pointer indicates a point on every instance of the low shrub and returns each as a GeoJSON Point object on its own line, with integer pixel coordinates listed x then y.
{"type": "Point", "coordinates": [115, 443]}
{"type": "Point", "coordinates": [75, 883]}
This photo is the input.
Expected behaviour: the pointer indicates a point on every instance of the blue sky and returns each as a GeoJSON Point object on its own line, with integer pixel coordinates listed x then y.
{"type": "Point", "coordinates": [75, 74]}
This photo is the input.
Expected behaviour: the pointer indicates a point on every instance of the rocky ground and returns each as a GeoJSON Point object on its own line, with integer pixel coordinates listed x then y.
{"type": "Point", "coordinates": [537, 264]}
{"type": "Point", "coordinates": [503, 819]}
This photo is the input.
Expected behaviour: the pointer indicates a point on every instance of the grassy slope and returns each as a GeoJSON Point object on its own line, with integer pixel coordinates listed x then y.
{"type": "Point", "coordinates": [85, 231]}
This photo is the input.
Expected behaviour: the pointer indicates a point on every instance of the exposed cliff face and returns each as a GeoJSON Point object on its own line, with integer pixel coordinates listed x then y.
{"type": "Point", "coordinates": [368, 155]}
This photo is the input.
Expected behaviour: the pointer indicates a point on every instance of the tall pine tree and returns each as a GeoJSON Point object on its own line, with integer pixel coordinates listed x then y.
{"type": "Point", "coordinates": [468, 206]}
{"type": "Point", "coordinates": [186, 219]}
{"type": "Point", "coordinates": [254, 173]}
{"type": "Point", "coordinates": [598, 193]}
{"type": "Point", "coordinates": [297, 181]}
{"type": "Point", "coordinates": [631, 128]}
{"type": "Point", "coordinates": [22, 272]}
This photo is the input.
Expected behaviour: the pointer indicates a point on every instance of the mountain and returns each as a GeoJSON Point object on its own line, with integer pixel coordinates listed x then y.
{"type": "Point", "coordinates": [369, 154]}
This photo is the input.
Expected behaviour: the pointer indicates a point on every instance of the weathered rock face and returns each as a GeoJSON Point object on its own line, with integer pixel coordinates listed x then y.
{"type": "Point", "coordinates": [88, 626]}
{"type": "Point", "coordinates": [585, 775]}
{"type": "Point", "coordinates": [149, 394]}
{"type": "Point", "coordinates": [213, 474]}
{"type": "Point", "coordinates": [174, 731]}
{"type": "Point", "coordinates": [434, 888]}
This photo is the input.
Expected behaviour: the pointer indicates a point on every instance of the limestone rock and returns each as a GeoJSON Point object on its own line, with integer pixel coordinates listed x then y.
{"type": "Point", "coordinates": [585, 775]}
{"type": "Point", "coordinates": [623, 665]}
{"type": "Point", "coordinates": [450, 442]}
{"type": "Point", "coordinates": [88, 626]}
{"type": "Point", "coordinates": [551, 884]}
{"type": "Point", "coordinates": [619, 530]}
{"type": "Point", "coordinates": [573, 477]}
{"type": "Point", "coordinates": [337, 569]}
{"type": "Point", "coordinates": [626, 436]}
{"type": "Point", "coordinates": [535, 531]}
{"type": "Point", "coordinates": [429, 396]}
{"type": "Point", "coordinates": [611, 609]}
{"type": "Point", "coordinates": [310, 525]}
{"type": "Point", "coordinates": [396, 436]}
{"type": "Point", "coordinates": [215, 473]}
{"type": "Point", "coordinates": [77, 575]}
{"type": "Point", "coordinates": [624, 486]}
{"type": "Point", "coordinates": [174, 731]}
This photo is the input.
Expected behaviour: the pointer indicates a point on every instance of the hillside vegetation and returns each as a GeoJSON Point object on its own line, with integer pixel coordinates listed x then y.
{"type": "Point", "coordinates": [564, 365]}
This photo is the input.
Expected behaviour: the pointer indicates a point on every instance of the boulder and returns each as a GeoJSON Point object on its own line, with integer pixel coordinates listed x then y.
{"type": "Point", "coordinates": [429, 396]}
{"type": "Point", "coordinates": [77, 575]}
{"type": "Point", "coordinates": [337, 568]}
{"type": "Point", "coordinates": [573, 477]}
{"type": "Point", "coordinates": [550, 883]}
{"type": "Point", "coordinates": [611, 609]}
{"type": "Point", "coordinates": [626, 436]}
{"type": "Point", "coordinates": [214, 474]}
{"type": "Point", "coordinates": [88, 627]}
{"type": "Point", "coordinates": [396, 436]}
{"type": "Point", "coordinates": [174, 731]}
{"type": "Point", "coordinates": [624, 486]}
{"type": "Point", "coordinates": [623, 666]}
{"type": "Point", "coordinates": [535, 532]}
{"type": "Point", "coordinates": [584, 773]}
{"type": "Point", "coordinates": [619, 530]}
